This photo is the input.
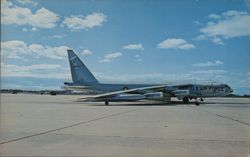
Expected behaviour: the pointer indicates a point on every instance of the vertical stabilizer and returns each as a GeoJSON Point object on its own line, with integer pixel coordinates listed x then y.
{"type": "Point", "coordinates": [79, 72]}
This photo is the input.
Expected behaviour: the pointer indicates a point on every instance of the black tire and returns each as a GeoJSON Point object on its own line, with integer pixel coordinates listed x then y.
{"type": "Point", "coordinates": [197, 103]}
{"type": "Point", "coordinates": [185, 100]}
{"type": "Point", "coordinates": [106, 102]}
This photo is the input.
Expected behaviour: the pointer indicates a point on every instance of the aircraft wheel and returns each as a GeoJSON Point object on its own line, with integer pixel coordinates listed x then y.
{"type": "Point", "coordinates": [106, 103]}
{"type": "Point", "coordinates": [202, 99]}
{"type": "Point", "coordinates": [185, 100]}
{"type": "Point", "coordinates": [197, 103]}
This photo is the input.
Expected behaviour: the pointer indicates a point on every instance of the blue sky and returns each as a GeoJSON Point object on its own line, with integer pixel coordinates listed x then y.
{"type": "Point", "coordinates": [163, 41]}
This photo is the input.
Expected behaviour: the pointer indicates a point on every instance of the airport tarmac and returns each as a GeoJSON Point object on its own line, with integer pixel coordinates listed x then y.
{"type": "Point", "coordinates": [44, 125]}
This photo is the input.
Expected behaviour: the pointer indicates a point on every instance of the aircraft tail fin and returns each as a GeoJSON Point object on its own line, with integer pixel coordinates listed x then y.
{"type": "Point", "coordinates": [79, 72]}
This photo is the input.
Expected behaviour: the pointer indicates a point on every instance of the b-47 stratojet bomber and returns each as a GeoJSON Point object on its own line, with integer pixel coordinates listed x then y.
{"type": "Point", "coordinates": [83, 79]}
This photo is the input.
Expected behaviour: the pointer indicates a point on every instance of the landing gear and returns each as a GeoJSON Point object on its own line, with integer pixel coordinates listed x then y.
{"type": "Point", "coordinates": [197, 103]}
{"type": "Point", "coordinates": [106, 102]}
{"type": "Point", "coordinates": [202, 99]}
{"type": "Point", "coordinates": [185, 100]}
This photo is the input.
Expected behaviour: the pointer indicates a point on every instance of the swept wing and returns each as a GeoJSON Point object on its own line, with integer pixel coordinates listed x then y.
{"type": "Point", "coordinates": [129, 94]}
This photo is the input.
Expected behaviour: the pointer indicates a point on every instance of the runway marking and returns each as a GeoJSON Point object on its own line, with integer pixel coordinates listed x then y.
{"type": "Point", "coordinates": [69, 126]}
{"type": "Point", "coordinates": [225, 117]}
{"type": "Point", "coordinates": [167, 139]}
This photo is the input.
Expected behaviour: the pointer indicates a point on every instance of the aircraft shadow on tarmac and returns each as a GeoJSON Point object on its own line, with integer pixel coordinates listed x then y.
{"type": "Point", "coordinates": [171, 103]}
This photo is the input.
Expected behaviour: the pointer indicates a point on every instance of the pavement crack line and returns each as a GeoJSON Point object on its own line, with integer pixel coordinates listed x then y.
{"type": "Point", "coordinates": [69, 126]}
{"type": "Point", "coordinates": [224, 117]}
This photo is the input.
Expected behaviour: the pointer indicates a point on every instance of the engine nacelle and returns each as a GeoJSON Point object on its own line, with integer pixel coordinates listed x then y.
{"type": "Point", "coordinates": [154, 95]}
{"type": "Point", "coordinates": [180, 94]}
{"type": "Point", "coordinates": [127, 97]}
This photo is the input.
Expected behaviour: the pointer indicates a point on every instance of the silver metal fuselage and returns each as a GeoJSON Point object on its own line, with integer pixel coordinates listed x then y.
{"type": "Point", "coordinates": [195, 90]}
{"type": "Point", "coordinates": [83, 79]}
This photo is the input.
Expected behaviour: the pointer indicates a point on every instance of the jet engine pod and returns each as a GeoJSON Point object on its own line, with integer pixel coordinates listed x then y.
{"type": "Point", "coordinates": [127, 97]}
{"type": "Point", "coordinates": [154, 95]}
{"type": "Point", "coordinates": [180, 94]}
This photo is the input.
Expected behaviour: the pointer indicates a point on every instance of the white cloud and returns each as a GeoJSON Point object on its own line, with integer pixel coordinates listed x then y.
{"type": "Point", "coordinates": [209, 72]}
{"type": "Point", "coordinates": [137, 56]}
{"type": "Point", "coordinates": [52, 71]}
{"type": "Point", "coordinates": [217, 41]}
{"type": "Point", "coordinates": [16, 49]}
{"type": "Point", "coordinates": [231, 24]}
{"type": "Point", "coordinates": [31, 67]}
{"type": "Point", "coordinates": [27, 2]}
{"type": "Point", "coordinates": [214, 16]}
{"type": "Point", "coordinates": [25, 30]}
{"type": "Point", "coordinates": [42, 18]}
{"type": "Point", "coordinates": [80, 22]}
{"type": "Point", "coordinates": [200, 76]}
{"type": "Point", "coordinates": [234, 13]}
{"type": "Point", "coordinates": [138, 59]}
{"type": "Point", "coordinates": [49, 52]}
{"type": "Point", "coordinates": [110, 57]}
{"type": "Point", "coordinates": [208, 63]}
{"type": "Point", "coordinates": [133, 47]}
{"type": "Point", "coordinates": [34, 29]}
{"type": "Point", "coordinates": [200, 37]}
{"type": "Point", "coordinates": [175, 44]}
{"type": "Point", "coordinates": [57, 36]}
{"type": "Point", "coordinates": [198, 23]}
{"type": "Point", "coordinates": [86, 52]}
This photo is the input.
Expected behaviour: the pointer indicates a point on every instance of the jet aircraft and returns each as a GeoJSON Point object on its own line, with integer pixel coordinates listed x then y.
{"type": "Point", "coordinates": [83, 79]}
